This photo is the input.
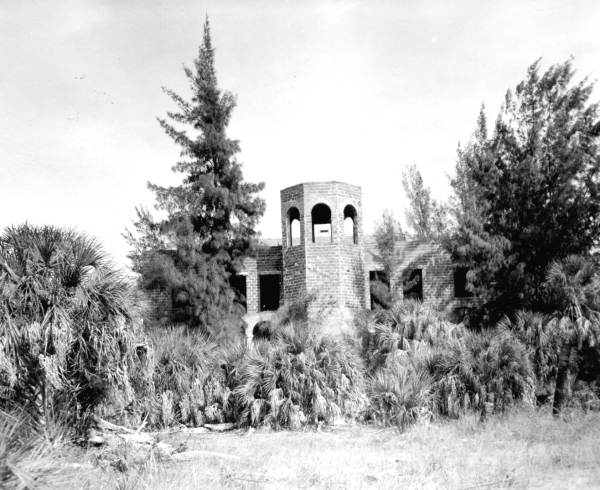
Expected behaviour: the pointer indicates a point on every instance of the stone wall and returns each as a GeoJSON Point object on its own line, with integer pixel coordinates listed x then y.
{"type": "Point", "coordinates": [437, 271]}
{"type": "Point", "coordinates": [267, 259]}
{"type": "Point", "coordinates": [159, 304]}
{"type": "Point", "coordinates": [294, 273]}
{"type": "Point", "coordinates": [334, 269]}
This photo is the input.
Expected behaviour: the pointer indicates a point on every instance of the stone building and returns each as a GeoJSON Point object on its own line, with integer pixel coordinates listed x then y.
{"type": "Point", "coordinates": [323, 251]}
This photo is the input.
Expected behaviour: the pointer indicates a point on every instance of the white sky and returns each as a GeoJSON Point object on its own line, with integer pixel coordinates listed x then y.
{"type": "Point", "coordinates": [334, 90]}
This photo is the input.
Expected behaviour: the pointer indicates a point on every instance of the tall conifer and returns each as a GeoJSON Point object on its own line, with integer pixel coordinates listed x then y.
{"type": "Point", "coordinates": [528, 194]}
{"type": "Point", "coordinates": [211, 214]}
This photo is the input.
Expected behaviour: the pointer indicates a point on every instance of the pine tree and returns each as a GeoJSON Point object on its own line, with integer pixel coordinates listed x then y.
{"type": "Point", "coordinates": [387, 235]}
{"type": "Point", "coordinates": [211, 215]}
{"type": "Point", "coordinates": [424, 215]}
{"type": "Point", "coordinates": [528, 194]}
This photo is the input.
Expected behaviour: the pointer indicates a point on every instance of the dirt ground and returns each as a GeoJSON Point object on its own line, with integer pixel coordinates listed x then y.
{"type": "Point", "coordinates": [525, 449]}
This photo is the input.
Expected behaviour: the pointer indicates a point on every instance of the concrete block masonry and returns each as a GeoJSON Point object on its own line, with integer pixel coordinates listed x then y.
{"type": "Point", "coordinates": [323, 250]}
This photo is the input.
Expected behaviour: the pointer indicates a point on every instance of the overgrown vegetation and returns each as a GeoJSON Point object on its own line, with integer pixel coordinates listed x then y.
{"type": "Point", "coordinates": [425, 216]}
{"type": "Point", "coordinates": [423, 366]}
{"type": "Point", "coordinates": [299, 377]}
{"type": "Point", "coordinates": [211, 215]}
{"type": "Point", "coordinates": [70, 343]}
{"type": "Point", "coordinates": [527, 193]}
{"type": "Point", "coordinates": [526, 211]}
{"type": "Point", "coordinates": [68, 321]}
{"type": "Point", "coordinates": [290, 377]}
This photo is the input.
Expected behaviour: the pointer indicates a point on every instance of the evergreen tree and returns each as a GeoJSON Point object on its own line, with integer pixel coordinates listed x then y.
{"type": "Point", "coordinates": [387, 235]}
{"type": "Point", "coordinates": [211, 215]}
{"type": "Point", "coordinates": [424, 215]}
{"type": "Point", "coordinates": [529, 194]}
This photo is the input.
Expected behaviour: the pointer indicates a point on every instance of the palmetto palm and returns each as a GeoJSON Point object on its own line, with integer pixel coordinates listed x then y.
{"type": "Point", "coordinates": [574, 291]}
{"type": "Point", "coordinates": [66, 317]}
{"type": "Point", "coordinates": [540, 333]}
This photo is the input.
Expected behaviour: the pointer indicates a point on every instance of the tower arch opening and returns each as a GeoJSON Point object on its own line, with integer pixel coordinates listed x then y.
{"type": "Point", "coordinates": [321, 223]}
{"type": "Point", "coordinates": [350, 224]}
{"type": "Point", "coordinates": [293, 227]}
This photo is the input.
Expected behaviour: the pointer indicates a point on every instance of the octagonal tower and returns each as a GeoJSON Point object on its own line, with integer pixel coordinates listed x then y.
{"type": "Point", "coordinates": [322, 245]}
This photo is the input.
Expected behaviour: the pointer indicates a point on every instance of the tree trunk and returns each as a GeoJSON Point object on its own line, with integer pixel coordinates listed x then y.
{"type": "Point", "coordinates": [562, 377]}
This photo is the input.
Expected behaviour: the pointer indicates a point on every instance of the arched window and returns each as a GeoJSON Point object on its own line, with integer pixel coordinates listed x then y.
{"type": "Point", "coordinates": [350, 224]}
{"type": "Point", "coordinates": [321, 223]}
{"type": "Point", "coordinates": [293, 225]}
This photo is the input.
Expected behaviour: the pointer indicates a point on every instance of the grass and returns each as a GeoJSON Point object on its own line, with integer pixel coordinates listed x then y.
{"type": "Point", "coordinates": [521, 449]}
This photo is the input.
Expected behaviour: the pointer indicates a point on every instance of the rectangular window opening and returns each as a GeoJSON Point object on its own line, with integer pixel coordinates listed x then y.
{"type": "Point", "coordinates": [413, 284]}
{"type": "Point", "coordinates": [269, 291]}
{"type": "Point", "coordinates": [460, 283]}
{"type": "Point", "coordinates": [380, 290]}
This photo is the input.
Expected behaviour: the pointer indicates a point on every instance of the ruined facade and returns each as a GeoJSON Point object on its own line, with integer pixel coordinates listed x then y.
{"type": "Point", "coordinates": [323, 251]}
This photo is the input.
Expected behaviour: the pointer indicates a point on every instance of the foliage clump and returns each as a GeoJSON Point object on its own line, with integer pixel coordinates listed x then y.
{"type": "Point", "coordinates": [189, 384]}
{"type": "Point", "coordinates": [300, 376]}
{"type": "Point", "coordinates": [423, 366]}
{"type": "Point", "coordinates": [527, 194]}
{"type": "Point", "coordinates": [67, 322]}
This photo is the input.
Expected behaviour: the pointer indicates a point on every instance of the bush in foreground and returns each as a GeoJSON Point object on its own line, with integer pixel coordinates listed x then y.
{"type": "Point", "coordinates": [299, 377]}
{"type": "Point", "coordinates": [67, 320]}
{"type": "Point", "coordinates": [189, 384]}
{"type": "Point", "coordinates": [422, 365]}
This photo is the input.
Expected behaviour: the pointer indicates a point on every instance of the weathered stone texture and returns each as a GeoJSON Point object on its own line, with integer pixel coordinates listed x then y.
{"type": "Point", "coordinates": [336, 269]}
{"type": "Point", "coordinates": [159, 305]}
{"type": "Point", "coordinates": [438, 270]}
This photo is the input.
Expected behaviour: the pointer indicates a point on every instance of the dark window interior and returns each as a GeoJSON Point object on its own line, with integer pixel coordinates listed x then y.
{"type": "Point", "coordinates": [269, 289]}
{"type": "Point", "coordinates": [460, 283]}
{"type": "Point", "coordinates": [238, 284]}
{"type": "Point", "coordinates": [321, 223]}
{"type": "Point", "coordinates": [413, 284]}
{"type": "Point", "coordinates": [380, 290]}
{"type": "Point", "coordinates": [181, 305]}
{"type": "Point", "coordinates": [378, 276]}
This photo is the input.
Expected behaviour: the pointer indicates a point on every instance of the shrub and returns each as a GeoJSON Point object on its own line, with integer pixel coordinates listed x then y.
{"type": "Point", "coordinates": [299, 377]}
{"type": "Point", "coordinates": [400, 394]}
{"type": "Point", "coordinates": [406, 322]}
{"type": "Point", "coordinates": [421, 363]}
{"type": "Point", "coordinates": [543, 340]}
{"type": "Point", "coordinates": [67, 320]}
{"type": "Point", "coordinates": [478, 368]}
{"type": "Point", "coordinates": [189, 379]}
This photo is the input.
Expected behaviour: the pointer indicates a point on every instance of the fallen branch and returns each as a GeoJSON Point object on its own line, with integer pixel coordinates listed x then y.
{"type": "Point", "coordinates": [103, 424]}
{"type": "Point", "coordinates": [143, 425]}
{"type": "Point", "coordinates": [220, 427]}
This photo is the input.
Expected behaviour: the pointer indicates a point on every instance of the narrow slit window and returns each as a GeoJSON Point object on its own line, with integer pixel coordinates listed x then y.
{"type": "Point", "coordinates": [293, 227]}
{"type": "Point", "coordinates": [350, 225]}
